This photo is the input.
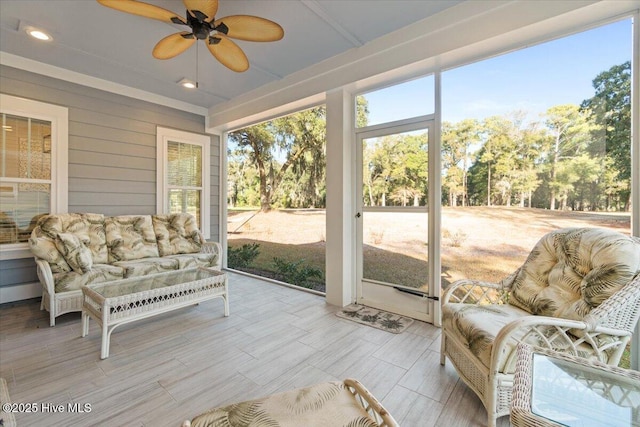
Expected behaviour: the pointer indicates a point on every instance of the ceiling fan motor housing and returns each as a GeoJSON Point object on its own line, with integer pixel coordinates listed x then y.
{"type": "Point", "coordinates": [200, 27]}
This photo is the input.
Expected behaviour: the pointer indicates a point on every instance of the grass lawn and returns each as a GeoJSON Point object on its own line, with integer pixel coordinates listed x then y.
{"type": "Point", "coordinates": [483, 243]}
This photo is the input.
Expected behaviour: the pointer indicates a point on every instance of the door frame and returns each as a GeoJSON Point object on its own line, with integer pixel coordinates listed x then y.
{"type": "Point", "coordinates": [428, 123]}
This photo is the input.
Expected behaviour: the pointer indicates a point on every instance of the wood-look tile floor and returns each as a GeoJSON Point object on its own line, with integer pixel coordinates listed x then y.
{"type": "Point", "coordinates": [169, 368]}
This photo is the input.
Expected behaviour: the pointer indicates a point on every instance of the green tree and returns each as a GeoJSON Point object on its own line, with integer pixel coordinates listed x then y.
{"type": "Point", "coordinates": [283, 160]}
{"type": "Point", "coordinates": [395, 170]}
{"type": "Point", "coordinates": [413, 176]}
{"type": "Point", "coordinates": [362, 111]}
{"type": "Point", "coordinates": [610, 107]}
{"type": "Point", "coordinates": [303, 137]}
{"type": "Point", "coordinates": [291, 137]}
{"type": "Point", "coordinates": [381, 162]}
{"type": "Point", "coordinates": [587, 187]}
{"type": "Point", "coordinates": [256, 143]}
{"type": "Point", "coordinates": [506, 165]}
{"type": "Point", "coordinates": [498, 154]}
{"type": "Point", "coordinates": [571, 129]}
{"type": "Point", "coordinates": [530, 143]}
{"type": "Point", "coordinates": [457, 139]}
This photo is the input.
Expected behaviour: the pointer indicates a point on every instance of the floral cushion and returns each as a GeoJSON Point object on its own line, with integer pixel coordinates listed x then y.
{"type": "Point", "coordinates": [88, 227]}
{"type": "Point", "coordinates": [72, 281]}
{"type": "Point", "coordinates": [177, 234]}
{"type": "Point", "coordinates": [195, 260]}
{"type": "Point", "coordinates": [85, 248]}
{"type": "Point", "coordinates": [130, 237]}
{"type": "Point", "coordinates": [77, 255]}
{"type": "Point", "coordinates": [477, 325]}
{"type": "Point", "coordinates": [43, 246]}
{"type": "Point", "coordinates": [327, 404]}
{"type": "Point", "coordinates": [145, 266]}
{"type": "Point", "coordinates": [571, 271]}
{"type": "Point", "coordinates": [96, 235]}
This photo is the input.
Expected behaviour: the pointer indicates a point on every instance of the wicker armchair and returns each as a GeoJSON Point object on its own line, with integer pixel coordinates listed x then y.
{"type": "Point", "coordinates": [577, 293]}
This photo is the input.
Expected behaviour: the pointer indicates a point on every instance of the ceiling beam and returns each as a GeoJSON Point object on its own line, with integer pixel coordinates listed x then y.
{"type": "Point", "coordinates": [315, 7]}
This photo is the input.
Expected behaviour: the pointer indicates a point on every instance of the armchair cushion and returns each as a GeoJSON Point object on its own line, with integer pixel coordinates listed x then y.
{"type": "Point", "coordinates": [571, 271]}
{"type": "Point", "coordinates": [477, 325]}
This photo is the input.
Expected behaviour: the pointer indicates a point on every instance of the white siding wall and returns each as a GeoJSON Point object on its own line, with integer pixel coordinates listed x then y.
{"type": "Point", "coordinates": [112, 152]}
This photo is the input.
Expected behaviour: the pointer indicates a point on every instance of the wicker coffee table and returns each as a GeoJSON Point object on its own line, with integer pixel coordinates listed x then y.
{"type": "Point", "coordinates": [123, 301]}
{"type": "Point", "coordinates": [555, 389]}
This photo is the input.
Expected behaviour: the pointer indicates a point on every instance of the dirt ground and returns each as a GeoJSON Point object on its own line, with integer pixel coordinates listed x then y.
{"type": "Point", "coordinates": [484, 243]}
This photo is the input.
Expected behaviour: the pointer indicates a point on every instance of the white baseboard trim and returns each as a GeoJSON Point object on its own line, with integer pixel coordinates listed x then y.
{"type": "Point", "coordinates": [20, 292]}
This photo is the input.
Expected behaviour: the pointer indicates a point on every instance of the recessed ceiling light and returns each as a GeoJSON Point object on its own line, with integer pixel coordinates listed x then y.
{"type": "Point", "coordinates": [37, 33]}
{"type": "Point", "coordinates": [189, 84]}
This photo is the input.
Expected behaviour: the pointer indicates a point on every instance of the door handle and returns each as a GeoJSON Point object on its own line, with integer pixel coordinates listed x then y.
{"type": "Point", "coordinates": [358, 215]}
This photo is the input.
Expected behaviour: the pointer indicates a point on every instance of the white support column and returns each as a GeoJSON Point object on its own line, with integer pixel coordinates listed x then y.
{"type": "Point", "coordinates": [435, 206]}
{"type": "Point", "coordinates": [223, 212]}
{"type": "Point", "coordinates": [635, 163]}
{"type": "Point", "coordinates": [341, 231]}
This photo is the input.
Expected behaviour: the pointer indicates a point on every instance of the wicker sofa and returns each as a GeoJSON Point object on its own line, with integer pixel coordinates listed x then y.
{"type": "Point", "coordinates": [577, 293]}
{"type": "Point", "coordinates": [76, 249]}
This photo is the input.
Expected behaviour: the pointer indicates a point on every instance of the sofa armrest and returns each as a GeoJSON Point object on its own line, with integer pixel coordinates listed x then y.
{"type": "Point", "coordinates": [213, 248]}
{"type": "Point", "coordinates": [43, 269]}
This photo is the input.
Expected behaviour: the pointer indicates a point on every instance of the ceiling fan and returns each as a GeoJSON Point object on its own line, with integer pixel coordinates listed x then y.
{"type": "Point", "coordinates": [216, 33]}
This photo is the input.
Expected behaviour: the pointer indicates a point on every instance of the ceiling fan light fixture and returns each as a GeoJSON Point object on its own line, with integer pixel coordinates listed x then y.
{"type": "Point", "coordinates": [188, 84]}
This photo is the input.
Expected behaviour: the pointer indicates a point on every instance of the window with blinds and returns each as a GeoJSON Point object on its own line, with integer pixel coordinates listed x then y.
{"type": "Point", "coordinates": [25, 175]}
{"type": "Point", "coordinates": [184, 178]}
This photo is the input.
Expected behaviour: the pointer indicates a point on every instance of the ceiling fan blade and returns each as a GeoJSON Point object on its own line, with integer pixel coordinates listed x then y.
{"type": "Point", "coordinates": [208, 7]}
{"type": "Point", "coordinates": [228, 53]}
{"type": "Point", "coordinates": [250, 28]}
{"type": "Point", "coordinates": [144, 9]}
{"type": "Point", "coordinates": [173, 45]}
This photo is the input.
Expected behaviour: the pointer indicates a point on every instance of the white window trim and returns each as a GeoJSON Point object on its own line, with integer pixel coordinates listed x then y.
{"type": "Point", "coordinates": [59, 118]}
{"type": "Point", "coordinates": [163, 136]}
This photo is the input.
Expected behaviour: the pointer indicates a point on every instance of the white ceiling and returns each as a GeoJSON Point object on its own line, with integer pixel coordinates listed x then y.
{"type": "Point", "coordinates": [100, 42]}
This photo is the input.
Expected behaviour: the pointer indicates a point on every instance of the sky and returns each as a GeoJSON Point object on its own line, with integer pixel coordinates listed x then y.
{"type": "Point", "coordinates": [532, 79]}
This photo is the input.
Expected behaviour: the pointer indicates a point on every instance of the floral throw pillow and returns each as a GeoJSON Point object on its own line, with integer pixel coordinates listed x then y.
{"type": "Point", "coordinates": [77, 255]}
{"type": "Point", "coordinates": [177, 234]}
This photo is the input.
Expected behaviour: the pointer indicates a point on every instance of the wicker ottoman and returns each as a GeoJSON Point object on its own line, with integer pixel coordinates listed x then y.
{"type": "Point", "coordinates": [322, 405]}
